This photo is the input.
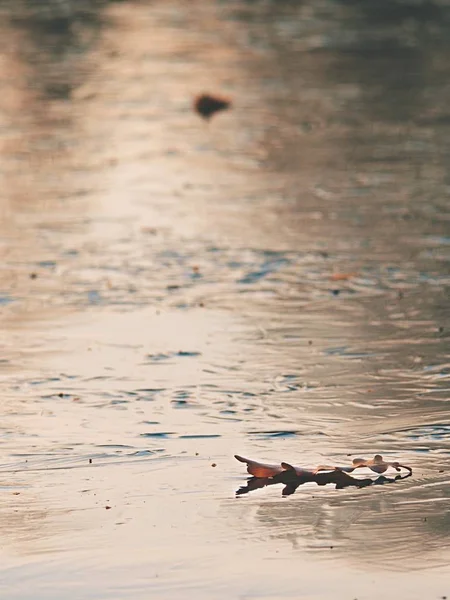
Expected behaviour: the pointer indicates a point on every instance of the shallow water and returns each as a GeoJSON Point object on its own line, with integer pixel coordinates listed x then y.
{"type": "Point", "coordinates": [273, 283]}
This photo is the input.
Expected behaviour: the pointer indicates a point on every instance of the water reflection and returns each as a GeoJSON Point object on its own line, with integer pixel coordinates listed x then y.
{"type": "Point", "coordinates": [291, 482]}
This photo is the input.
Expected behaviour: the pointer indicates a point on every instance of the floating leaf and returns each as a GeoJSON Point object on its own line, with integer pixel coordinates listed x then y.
{"type": "Point", "coordinates": [207, 105]}
{"type": "Point", "coordinates": [268, 474]}
{"type": "Point", "coordinates": [258, 469]}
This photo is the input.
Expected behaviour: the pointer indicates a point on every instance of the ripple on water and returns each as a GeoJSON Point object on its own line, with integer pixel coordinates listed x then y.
{"type": "Point", "coordinates": [158, 434]}
{"type": "Point", "coordinates": [430, 436]}
{"type": "Point", "coordinates": [274, 434]}
{"type": "Point", "coordinates": [163, 357]}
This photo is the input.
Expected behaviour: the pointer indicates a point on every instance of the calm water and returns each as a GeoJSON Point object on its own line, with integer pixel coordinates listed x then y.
{"type": "Point", "coordinates": [273, 283]}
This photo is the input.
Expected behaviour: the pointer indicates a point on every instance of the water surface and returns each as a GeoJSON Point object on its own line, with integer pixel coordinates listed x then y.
{"type": "Point", "coordinates": [272, 283]}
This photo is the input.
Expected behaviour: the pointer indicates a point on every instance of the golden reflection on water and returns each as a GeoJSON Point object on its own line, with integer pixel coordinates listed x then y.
{"type": "Point", "coordinates": [167, 296]}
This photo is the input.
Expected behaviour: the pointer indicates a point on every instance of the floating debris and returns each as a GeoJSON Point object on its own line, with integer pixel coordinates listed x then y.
{"type": "Point", "coordinates": [264, 474]}
{"type": "Point", "coordinates": [342, 276]}
{"type": "Point", "coordinates": [207, 105]}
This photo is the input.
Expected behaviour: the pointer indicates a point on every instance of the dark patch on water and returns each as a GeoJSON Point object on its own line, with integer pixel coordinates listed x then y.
{"type": "Point", "coordinates": [94, 297]}
{"type": "Point", "coordinates": [180, 403]}
{"type": "Point", "coordinates": [164, 357]}
{"type": "Point", "coordinates": [47, 264]}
